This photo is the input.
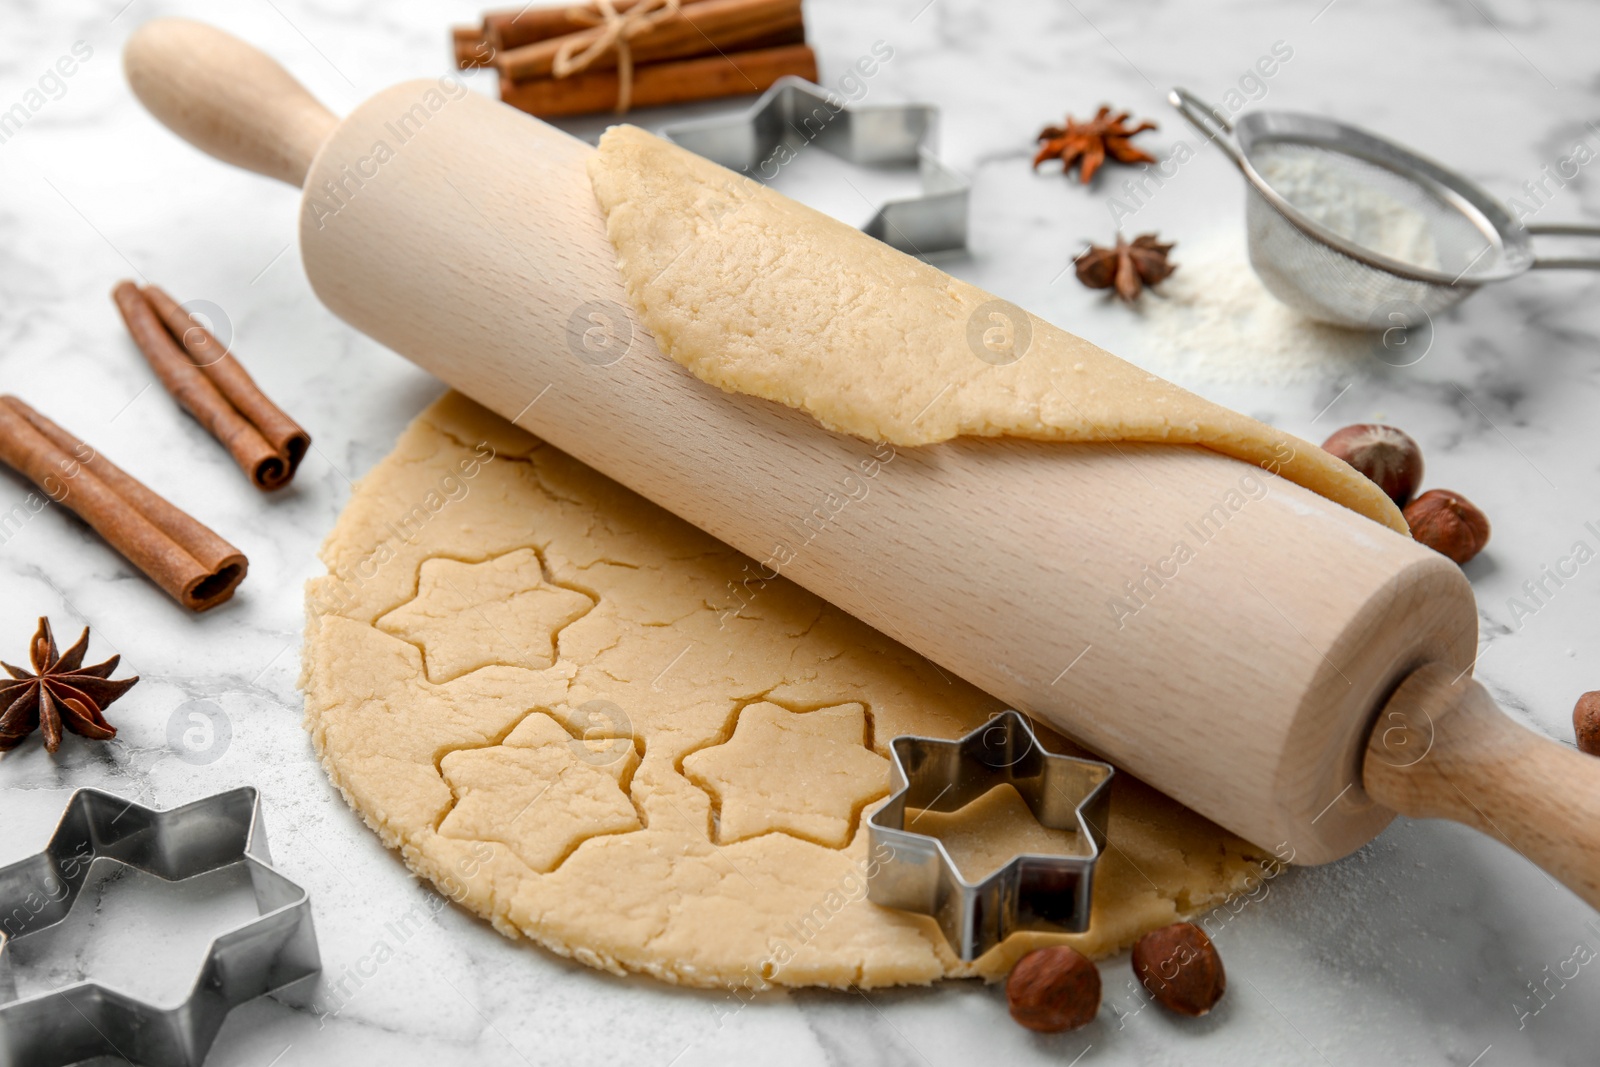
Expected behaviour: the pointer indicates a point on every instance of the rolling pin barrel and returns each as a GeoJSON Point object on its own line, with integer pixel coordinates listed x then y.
{"type": "Point", "coordinates": [466, 236]}
{"type": "Point", "coordinates": [1225, 634]}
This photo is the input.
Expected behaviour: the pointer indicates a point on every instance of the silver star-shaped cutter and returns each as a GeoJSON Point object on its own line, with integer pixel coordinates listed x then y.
{"type": "Point", "coordinates": [795, 113]}
{"type": "Point", "coordinates": [1031, 891]}
{"type": "Point", "coordinates": [75, 1022]}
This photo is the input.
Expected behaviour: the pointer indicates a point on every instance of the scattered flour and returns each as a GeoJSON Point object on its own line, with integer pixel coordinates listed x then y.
{"type": "Point", "coordinates": [1214, 320]}
{"type": "Point", "coordinates": [1351, 207]}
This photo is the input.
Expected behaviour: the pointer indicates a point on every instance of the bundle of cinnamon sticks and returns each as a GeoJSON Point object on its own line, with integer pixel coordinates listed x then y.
{"type": "Point", "coordinates": [620, 54]}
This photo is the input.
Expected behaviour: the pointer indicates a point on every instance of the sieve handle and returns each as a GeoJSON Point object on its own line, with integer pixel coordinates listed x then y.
{"type": "Point", "coordinates": [1208, 120]}
{"type": "Point", "coordinates": [1567, 262]}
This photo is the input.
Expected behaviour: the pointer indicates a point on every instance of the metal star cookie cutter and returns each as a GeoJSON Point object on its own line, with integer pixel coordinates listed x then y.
{"type": "Point", "coordinates": [85, 1019]}
{"type": "Point", "coordinates": [1031, 891]}
{"type": "Point", "coordinates": [795, 112]}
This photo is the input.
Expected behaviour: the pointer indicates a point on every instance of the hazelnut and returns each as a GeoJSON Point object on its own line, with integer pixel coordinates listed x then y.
{"type": "Point", "coordinates": [1448, 523]}
{"type": "Point", "coordinates": [1180, 968]}
{"type": "Point", "coordinates": [1054, 989]}
{"type": "Point", "coordinates": [1586, 723]}
{"type": "Point", "coordinates": [1386, 455]}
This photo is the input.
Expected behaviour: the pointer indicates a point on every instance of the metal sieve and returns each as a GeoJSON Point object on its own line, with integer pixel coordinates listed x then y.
{"type": "Point", "coordinates": [1463, 237]}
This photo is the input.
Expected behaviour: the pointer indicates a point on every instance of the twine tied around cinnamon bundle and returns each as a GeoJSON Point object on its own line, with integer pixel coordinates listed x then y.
{"type": "Point", "coordinates": [612, 30]}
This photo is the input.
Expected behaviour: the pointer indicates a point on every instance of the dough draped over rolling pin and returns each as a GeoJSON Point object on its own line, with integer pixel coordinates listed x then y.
{"type": "Point", "coordinates": [755, 293]}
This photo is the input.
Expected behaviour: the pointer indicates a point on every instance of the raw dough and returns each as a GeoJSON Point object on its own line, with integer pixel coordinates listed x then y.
{"type": "Point", "coordinates": [758, 294]}
{"type": "Point", "coordinates": [983, 836]}
{"type": "Point", "coordinates": [520, 675]}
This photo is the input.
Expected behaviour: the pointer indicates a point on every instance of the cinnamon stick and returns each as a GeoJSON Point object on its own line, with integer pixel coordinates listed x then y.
{"type": "Point", "coordinates": [795, 34]}
{"type": "Point", "coordinates": [235, 384]}
{"type": "Point", "coordinates": [211, 386]}
{"type": "Point", "coordinates": [471, 48]}
{"type": "Point", "coordinates": [709, 26]}
{"type": "Point", "coordinates": [658, 84]}
{"type": "Point", "coordinates": [505, 30]}
{"type": "Point", "coordinates": [196, 567]}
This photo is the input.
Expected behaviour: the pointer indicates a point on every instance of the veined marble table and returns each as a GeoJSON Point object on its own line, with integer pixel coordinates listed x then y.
{"type": "Point", "coordinates": [1432, 945]}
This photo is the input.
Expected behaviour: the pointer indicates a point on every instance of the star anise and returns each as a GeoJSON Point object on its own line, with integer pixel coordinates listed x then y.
{"type": "Point", "coordinates": [59, 692]}
{"type": "Point", "coordinates": [1128, 267]}
{"type": "Point", "coordinates": [1087, 144]}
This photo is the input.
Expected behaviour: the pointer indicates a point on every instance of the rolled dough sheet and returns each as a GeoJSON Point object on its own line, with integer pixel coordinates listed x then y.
{"type": "Point", "coordinates": [982, 836]}
{"type": "Point", "coordinates": [524, 677]}
{"type": "Point", "coordinates": [758, 294]}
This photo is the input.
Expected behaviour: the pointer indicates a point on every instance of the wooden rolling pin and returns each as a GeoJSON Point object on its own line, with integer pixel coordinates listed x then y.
{"type": "Point", "coordinates": [1300, 680]}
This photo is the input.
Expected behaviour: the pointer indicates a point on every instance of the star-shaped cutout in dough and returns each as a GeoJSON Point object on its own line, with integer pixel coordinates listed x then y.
{"type": "Point", "coordinates": [541, 792]}
{"type": "Point", "coordinates": [805, 773]}
{"type": "Point", "coordinates": [471, 615]}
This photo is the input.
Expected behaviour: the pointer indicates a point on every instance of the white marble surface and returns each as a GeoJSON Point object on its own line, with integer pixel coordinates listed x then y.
{"type": "Point", "coordinates": [1416, 950]}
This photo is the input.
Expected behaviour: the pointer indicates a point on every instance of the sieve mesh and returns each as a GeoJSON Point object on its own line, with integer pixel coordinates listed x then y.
{"type": "Point", "coordinates": [1348, 228]}
{"type": "Point", "coordinates": [1391, 216]}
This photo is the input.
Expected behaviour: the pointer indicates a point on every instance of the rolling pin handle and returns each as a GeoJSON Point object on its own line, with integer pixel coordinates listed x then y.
{"type": "Point", "coordinates": [1442, 749]}
{"type": "Point", "coordinates": [226, 98]}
